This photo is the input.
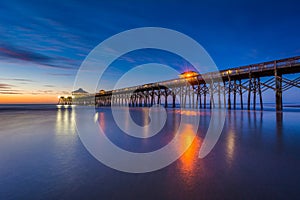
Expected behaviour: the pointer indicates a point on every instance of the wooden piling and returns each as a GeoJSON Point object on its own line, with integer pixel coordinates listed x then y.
{"type": "Point", "coordinates": [278, 90]}
{"type": "Point", "coordinates": [241, 94]}
{"type": "Point", "coordinates": [249, 91]}
{"type": "Point", "coordinates": [260, 94]}
{"type": "Point", "coordinates": [254, 93]}
{"type": "Point", "coordinates": [234, 94]}
{"type": "Point", "coordinates": [229, 94]}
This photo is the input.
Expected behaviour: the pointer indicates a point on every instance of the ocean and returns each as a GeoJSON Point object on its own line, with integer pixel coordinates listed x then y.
{"type": "Point", "coordinates": [43, 157]}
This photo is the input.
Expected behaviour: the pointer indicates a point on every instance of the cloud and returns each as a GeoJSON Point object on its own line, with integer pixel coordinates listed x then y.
{"type": "Point", "coordinates": [17, 79]}
{"type": "Point", "coordinates": [22, 54]}
{"type": "Point", "coordinates": [65, 92]}
{"type": "Point", "coordinates": [3, 92]}
{"type": "Point", "coordinates": [22, 80]}
{"type": "Point", "coordinates": [60, 74]}
{"type": "Point", "coordinates": [5, 86]}
{"type": "Point", "coordinates": [48, 92]}
{"type": "Point", "coordinates": [49, 86]}
{"type": "Point", "coordinates": [12, 52]}
{"type": "Point", "coordinates": [7, 89]}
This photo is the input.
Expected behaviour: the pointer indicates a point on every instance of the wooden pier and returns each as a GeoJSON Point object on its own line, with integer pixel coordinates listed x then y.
{"type": "Point", "coordinates": [195, 91]}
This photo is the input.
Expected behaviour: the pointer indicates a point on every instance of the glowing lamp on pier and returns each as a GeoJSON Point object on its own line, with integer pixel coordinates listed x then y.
{"type": "Point", "coordinates": [188, 74]}
{"type": "Point", "coordinates": [102, 91]}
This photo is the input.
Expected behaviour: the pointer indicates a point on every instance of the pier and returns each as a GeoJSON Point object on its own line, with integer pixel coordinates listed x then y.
{"type": "Point", "coordinates": [194, 92]}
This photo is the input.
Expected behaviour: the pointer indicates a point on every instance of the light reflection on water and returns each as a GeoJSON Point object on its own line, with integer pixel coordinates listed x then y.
{"type": "Point", "coordinates": [65, 121]}
{"type": "Point", "coordinates": [187, 162]}
{"type": "Point", "coordinates": [230, 146]}
{"type": "Point", "coordinates": [256, 156]}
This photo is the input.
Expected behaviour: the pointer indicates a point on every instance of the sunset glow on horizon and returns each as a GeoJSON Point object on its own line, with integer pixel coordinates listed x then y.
{"type": "Point", "coordinates": [28, 99]}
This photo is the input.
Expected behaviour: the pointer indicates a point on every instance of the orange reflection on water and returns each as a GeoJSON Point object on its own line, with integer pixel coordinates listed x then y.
{"type": "Point", "coordinates": [188, 112]}
{"type": "Point", "coordinates": [188, 161]}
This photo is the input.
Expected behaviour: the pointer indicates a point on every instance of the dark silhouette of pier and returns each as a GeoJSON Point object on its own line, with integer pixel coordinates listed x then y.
{"type": "Point", "coordinates": [211, 89]}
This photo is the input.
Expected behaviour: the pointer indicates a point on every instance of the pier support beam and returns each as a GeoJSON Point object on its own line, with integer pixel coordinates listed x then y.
{"type": "Point", "coordinates": [219, 94]}
{"type": "Point", "coordinates": [229, 94]}
{"type": "Point", "coordinates": [254, 93]}
{"type": "Point", "coordinates": [174, 99]}
{"type": "Point", "coordinates": [197, 97]}
{"type": "Point", "coordinates": [224, 93]}
{"type": "Point", "coordinates": [278, 90]}
{"type": "Point", "coordinates": [241, 94]}
{"type": "Point", "coordinates": [260, 94]}
{"type": "Point", "coordinates": [211, 94]}
{"type": "Point", "coordinates": [249, 91]}
{"type": "Point", "coordinates": [152, 97]}
{"type": "Point", "coordinates": [234, 95]}
{"type": "Point", "coordinates": [193, 96]}
{"type": "Point", "coordinates": [189, 93]}
{"type": "Point", "coordinates": [204, 94]}
{"type": "Point", "coordinates": [200, 97]}
{"type": "Point", "coordinates": [158, 97]}
{"type": "Point", "coordinates": [166, 98]}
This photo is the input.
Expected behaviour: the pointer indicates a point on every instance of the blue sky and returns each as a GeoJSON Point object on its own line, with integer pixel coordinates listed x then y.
{"type": "Point", "coordinates": [42, 43]}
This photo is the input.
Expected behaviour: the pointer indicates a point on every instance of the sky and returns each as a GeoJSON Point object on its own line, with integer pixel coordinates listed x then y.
{"type": "Point", "coordinates": [43, 43]}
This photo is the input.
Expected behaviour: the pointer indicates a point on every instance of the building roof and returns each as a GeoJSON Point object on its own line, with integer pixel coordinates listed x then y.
{"type": "Point", "coordinates": [80, 91]}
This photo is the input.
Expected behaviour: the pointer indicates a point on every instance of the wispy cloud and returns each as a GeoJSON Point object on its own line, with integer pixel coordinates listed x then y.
{"type": "Point", "coordinates": [49, 86]}
{"type": "Point", "coordinates": [17, 79]}
{"type": "Point", "coordinates": [49, 92]}
{"type": "Point", "coordinates": [12, 52]}
{"type": "Point", "coordinates": [8, 89]}
{"type": "Point", "coordinates": [22, 54]}
{"type": "Point", "coordinates": [60, 74]}
{"type": "Point", "coordinates": [46, 91]}
{"type": "Point", "coordinates": [5, 86]}
{"type": "Point", "coordinates": [4, 92]}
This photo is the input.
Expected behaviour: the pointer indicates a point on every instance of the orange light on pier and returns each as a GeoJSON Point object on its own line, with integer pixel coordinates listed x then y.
{"type": "Point", "coordinates": [102, 92]}
{"type": "Point", "coordinates": [188, 74]}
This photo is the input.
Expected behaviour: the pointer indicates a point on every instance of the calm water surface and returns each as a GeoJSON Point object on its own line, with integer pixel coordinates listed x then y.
{"type": "Point", "coordinates": [42, 157]}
